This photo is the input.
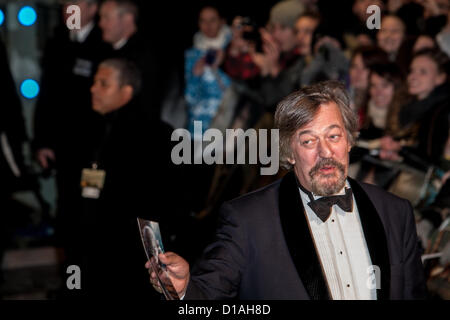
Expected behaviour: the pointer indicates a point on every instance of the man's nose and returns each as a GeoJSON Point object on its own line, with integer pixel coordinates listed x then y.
{"type": "Point", "coordinates": [324, 149]}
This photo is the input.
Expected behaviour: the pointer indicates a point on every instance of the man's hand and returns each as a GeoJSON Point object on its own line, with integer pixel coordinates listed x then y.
{"type": "Point", "coordinates": [178, 270]}
{"type": "Point", "coordinates": [272, 52]}
{"type": "Point", "coordinates": [43, 155]}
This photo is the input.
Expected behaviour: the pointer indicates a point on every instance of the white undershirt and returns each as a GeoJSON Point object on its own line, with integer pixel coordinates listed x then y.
{"type": "Point", "coordinates": [342, 251]}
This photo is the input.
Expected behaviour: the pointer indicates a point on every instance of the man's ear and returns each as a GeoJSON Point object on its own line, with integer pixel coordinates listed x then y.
{"type": "Point", "coordinates": [442, 77]}
{"type": "Point", "coordinates": [128, 18]}
{"type": "Point", "coordinates": [127, 93]}
{"type": "Point", "coordinates": [291, 160]}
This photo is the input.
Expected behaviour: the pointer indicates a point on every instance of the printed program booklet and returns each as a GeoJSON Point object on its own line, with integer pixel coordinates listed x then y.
{"type": "Point", "coordinates": [151, 239]}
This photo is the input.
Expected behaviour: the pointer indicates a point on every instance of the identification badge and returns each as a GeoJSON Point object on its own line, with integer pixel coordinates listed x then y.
{"type": "Point", "coordinates": [92, 181]}
{"type": "Point", "coordinates": [82, 68]}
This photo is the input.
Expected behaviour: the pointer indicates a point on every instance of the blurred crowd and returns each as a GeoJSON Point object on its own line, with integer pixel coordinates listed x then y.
{"type": "Point", "coordinates": [108, 106]}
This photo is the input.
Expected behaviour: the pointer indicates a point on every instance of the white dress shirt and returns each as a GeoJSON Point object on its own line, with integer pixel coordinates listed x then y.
{"type": "Point", "coordinates": [120, 44]}
{"type": "Point", "coordinates": [81, 35]}
{"type": "Point", "coordinates": [342, 251]}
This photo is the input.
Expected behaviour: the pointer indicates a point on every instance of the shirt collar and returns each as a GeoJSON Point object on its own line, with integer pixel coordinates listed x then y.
{"type": "Point", "coordinates": [82, 34]}
{"type": "Point", "coordinates": [119, 44]}
{"type": "Point", "coordinates": [305, 196]}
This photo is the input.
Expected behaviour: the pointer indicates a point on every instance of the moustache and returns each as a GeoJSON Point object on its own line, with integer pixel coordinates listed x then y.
{"type": "Point", "coordinates": [326, 162]}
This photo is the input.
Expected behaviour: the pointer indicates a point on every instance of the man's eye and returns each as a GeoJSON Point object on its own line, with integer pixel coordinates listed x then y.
{"type": "Point", "coordinates": [335, 136]}
{"type": "Point", "coordinates": [308, 142]}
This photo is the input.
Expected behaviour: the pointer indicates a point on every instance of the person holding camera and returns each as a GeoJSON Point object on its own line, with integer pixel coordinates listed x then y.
{"type": "Point", "coordinates": [205, 82]}
{"type": "Point", "coordinates": [243, 49]}
{"type": "Point", "coordinates": [281, 62]}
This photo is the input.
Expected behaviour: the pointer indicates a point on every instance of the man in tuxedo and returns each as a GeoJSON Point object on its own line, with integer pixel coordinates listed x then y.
{"type": "Point", "coordinates": [316, 233]}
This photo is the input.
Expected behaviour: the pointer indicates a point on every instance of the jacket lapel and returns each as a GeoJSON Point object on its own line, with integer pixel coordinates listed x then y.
{"type": "Point", "coordinates": [375, 236]}
{"type": "Point", "coordinates": [302, 249]}
{"type": "Point", "coordinates": [298, 239]}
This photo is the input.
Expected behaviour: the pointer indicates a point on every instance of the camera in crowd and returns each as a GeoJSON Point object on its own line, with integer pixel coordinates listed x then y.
{"type": "Point", "coordinates": [251, 32]}
{"type": "Point", "coordinates": [210, 57]}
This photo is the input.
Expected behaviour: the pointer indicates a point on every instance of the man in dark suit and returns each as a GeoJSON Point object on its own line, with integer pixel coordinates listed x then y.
{"type": "Point", "coordinates": [130, 154]}
{"type": "Point", "coordinates": [120, 28]}
{"type": "Point", "coordinates": [63, 118]}
{"type": "Point", "coordinates": [315, 234]}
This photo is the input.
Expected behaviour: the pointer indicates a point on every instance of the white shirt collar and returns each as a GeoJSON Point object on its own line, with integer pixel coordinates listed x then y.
{"type": "Point", "coordinates": [82, 34]}
{"type": "Point", "coordinates": [119, 44]}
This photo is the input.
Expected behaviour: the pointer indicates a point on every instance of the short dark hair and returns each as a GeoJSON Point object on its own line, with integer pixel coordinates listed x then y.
{"type": "Point", "coordinates": [312, 14]}
{"type": "Point", "coordinates": [214, 7]}
{"type": "Point", "coordinates": [299, 108]}
{"type": "Point", "coordinates": [390, 71]}
{"type": "Point", "coordinates": [440, 58]}
{"type": "Point", "coordinates": [128, 73]}
{"type": "Point", "coordinates": [371, 55]}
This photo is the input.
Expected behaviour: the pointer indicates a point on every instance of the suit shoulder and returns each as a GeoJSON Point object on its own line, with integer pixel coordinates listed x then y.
{"type": "Point", "coordinates": [256, 195]}
{"type": "Point", "coordinates": [379, 193]}
{"type": "Point", "coordinates": [387, 203]}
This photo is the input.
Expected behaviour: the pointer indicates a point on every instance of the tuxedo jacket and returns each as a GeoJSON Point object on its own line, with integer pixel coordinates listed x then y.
{"type": "Point", "coordinates": [264, 249]}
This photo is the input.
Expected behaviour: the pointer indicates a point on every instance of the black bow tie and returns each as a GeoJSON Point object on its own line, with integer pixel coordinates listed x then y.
{"type": "Point", "coordinates": [322, 206]}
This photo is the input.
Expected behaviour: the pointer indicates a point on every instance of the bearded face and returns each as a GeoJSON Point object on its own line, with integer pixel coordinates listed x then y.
{"type": "Point", "coordinates": [320, 152]}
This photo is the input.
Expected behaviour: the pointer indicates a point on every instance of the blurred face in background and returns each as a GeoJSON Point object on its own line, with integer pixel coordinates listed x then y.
{"type": "Point", "coordinates": [381, 91]}
{"type": "Point", "coordinates": [304, 28]}
{"type": "Point", "coordinates": [283, 36]}
{"type": "Point", "coordinates": [112, 22]}
{"type": "Point", "coordinates": [423, 77]}
{"type": "Point", "coordinates": [391, 34]}
{"type": "Point", "coordinates": [87, 11]}
{"type": "Point", "coordinates": [210, 22]}
{"type": "Point", "coordinates": [435, 7]}
{"type": "Point", "coordinates": [107, 92]}
{"type": "Point", "coordinates": [360, 8]}
{"type": "Point", "coordinates": [359, 74]}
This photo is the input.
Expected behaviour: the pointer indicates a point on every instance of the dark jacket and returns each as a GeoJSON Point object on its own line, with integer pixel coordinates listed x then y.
{"type": "Point", "coordinates": [140, 182]}
{"type": "Point", "coordinates": [430, 120]}
{"type": "Point", "coordinates": [12, 125]}
{"type": "Point", "coordinates": [155, 76]}
{"type": "Point", "coordinates": [264, 249]}
{"type": "Point", "coordinates": [273, 90]}
{"type": "Point", "coordinates": [63, 115]}
{"type": "Point", "coordinates": [64, 120]}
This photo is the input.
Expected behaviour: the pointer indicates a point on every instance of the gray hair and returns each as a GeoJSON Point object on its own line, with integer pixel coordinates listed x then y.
{"type": "Point", "coordinates": [126, 6]}
{"type": "Point", "coordinates": [299, 108]}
